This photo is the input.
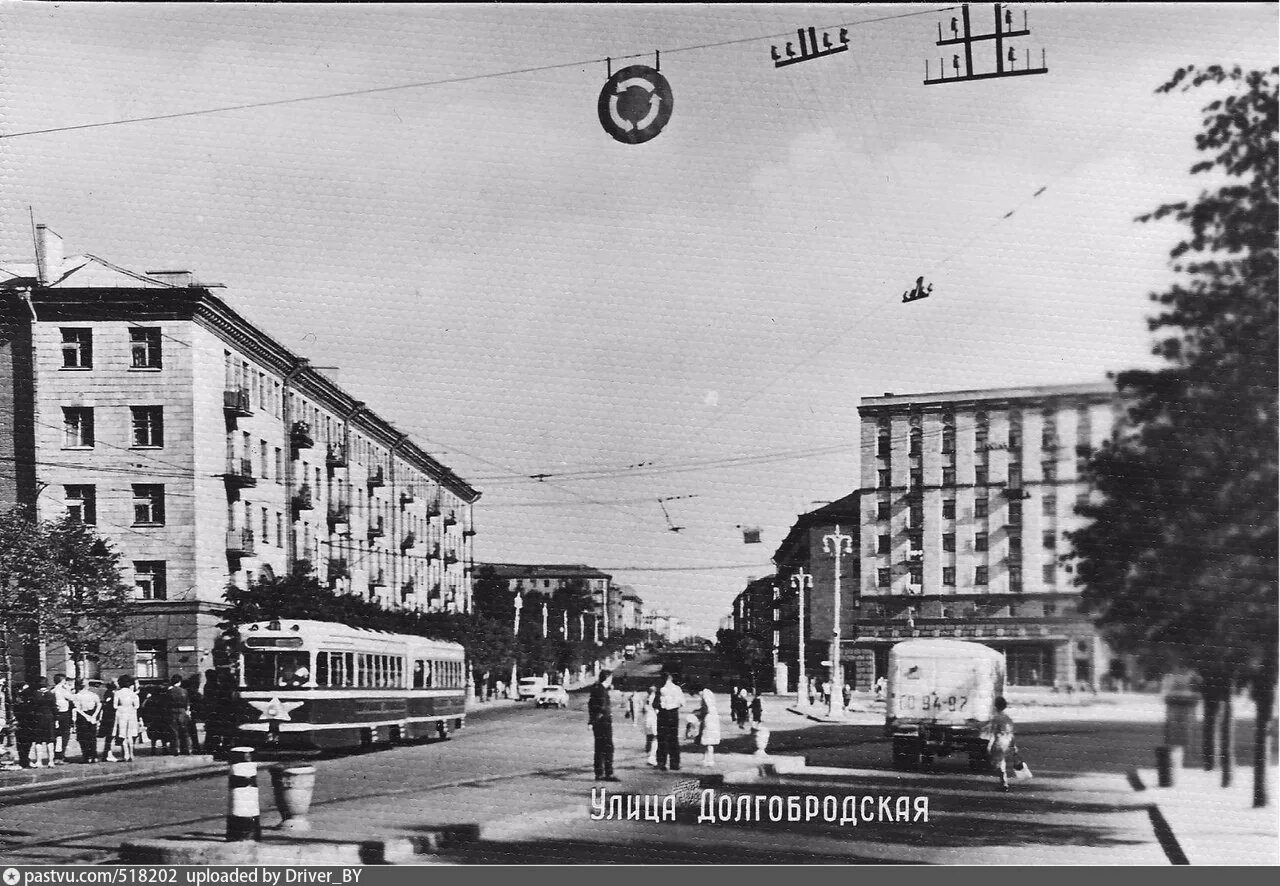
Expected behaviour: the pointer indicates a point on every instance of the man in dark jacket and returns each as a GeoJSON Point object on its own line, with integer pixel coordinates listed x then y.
{"type": "Point", "coordinates": [177, 706]}
{"type": "Point", "coordinates": [600, 719]}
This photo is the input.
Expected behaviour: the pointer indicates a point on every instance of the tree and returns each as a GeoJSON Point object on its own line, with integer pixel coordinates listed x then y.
{"type": "Point", "coordinates": [1179, 555]}
{"type": "Point", "coordinates": [59, 582]}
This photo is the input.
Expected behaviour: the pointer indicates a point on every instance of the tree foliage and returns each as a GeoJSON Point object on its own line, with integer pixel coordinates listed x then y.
{"type": "Point", "coordinates": [60, 583]}
{"type": "Point", "coordinates": [1179, 555]}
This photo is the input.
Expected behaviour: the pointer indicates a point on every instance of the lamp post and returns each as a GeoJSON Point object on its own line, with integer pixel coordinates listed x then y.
{"type": "Point", "coordinates": [564, 624]}
{"type": "Point", "coordinates": [582, 627]}
{"type": "Point", "coordinates": [836, 544]}
{"type": "Point", "coordinates": [515, 649]}
{"type": "Point", "coordinates": [800, 581]}
{"type": "Point", "coordinates": [544, 619]}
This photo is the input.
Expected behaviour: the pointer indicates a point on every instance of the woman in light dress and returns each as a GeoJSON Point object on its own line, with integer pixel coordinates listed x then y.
{"type": "Point", "coordinates": [126, 706]}
{"type": "Point", "coordinates": [649, 722]}
{"type": "Point", "coordinates": [709, 735]}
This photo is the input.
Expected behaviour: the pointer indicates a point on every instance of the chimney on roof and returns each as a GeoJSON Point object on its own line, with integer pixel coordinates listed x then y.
{"type": "Point", "coordinates": [888, 393]}
{"type": "Point", "coordinates": [48, 255]}
{"type": "Point", "coordinates": [179, 279]}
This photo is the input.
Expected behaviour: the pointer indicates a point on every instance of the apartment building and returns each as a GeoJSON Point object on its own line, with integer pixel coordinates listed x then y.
{"type": "Point", "coordinates": [548, 578]}
{"type": "Point", "coordinates": [208, 454]}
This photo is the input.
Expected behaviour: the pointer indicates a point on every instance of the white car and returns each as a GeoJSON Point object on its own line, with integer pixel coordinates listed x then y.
{"type": "Point", "coordinates": [553, 696]}
{"type": "Point", "coordinates": [529, 687]}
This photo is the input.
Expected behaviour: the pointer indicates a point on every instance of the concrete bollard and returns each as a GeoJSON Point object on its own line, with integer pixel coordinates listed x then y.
{"type": "Point", "coordinates": [244, 818]}
{"type": "Point", "coordinates": [1168, 762]}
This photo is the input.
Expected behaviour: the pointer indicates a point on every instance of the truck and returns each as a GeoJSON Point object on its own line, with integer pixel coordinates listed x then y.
{"type": "Point", "coordinates": [940, 695]}
{"type": "Point", "coordinates": [530, 687]}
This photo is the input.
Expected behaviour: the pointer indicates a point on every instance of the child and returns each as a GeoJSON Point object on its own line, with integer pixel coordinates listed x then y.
{"type": "Point", "coordinates": [1000, 727]}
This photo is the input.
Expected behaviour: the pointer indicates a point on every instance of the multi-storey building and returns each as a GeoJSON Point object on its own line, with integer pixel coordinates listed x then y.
{"type": "Point", "coordinates": [208, 454]}
{"type": "Point", "coordinates": [549, 578]}
{"type": "Point", "coordinates": [967, 497]}
{"type": "Point", "coordinates": [630, 609]}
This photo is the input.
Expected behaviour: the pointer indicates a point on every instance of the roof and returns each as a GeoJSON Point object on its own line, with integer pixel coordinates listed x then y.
{"type": "Point", "coordinates": [546, 570]}
{"type": "Point", "coordinates": [838, 511]}
{"type": "Point", "coordinates": [79, 272]}
{"type": "Point", "coordinates": [1099, 390]}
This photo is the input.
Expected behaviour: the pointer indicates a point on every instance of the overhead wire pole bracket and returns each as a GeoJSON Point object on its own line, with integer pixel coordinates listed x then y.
{"type": "Point", "coordinates": [963, 36]}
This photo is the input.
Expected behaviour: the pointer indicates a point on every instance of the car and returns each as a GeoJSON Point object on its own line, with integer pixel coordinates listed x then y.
{"type": "Point", "coordinates": [529, 687]}
{"type": "Point", "coordinates": [552, 696]}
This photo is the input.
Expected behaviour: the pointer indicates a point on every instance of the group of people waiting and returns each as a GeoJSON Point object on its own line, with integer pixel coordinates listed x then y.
{"type": "Point", "coordinates": [658, 715]}
{"type": "Point", "coordinates": [37, 720]}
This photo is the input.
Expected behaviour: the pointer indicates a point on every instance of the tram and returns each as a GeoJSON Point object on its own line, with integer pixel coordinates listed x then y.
{"type": "Point", "coordinates": [313, 685]}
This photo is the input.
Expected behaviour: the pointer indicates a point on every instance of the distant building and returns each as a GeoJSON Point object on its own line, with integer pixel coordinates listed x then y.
{"type": "Point", "coordinates": [665, 626]}
{"type": "Point", "coordinates": [548, 578]}
{"type": "Point", "coordinates": [630, 609]}
{"type": "Point", "coordinates": [207, 454]}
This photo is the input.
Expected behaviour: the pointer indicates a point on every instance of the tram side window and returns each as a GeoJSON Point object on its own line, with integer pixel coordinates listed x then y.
{"type": "Point", "coordinates": [349, 671]}
{"type": "Point", "coordinates": [362, 670]}
{"type": "Point", "coordinates": [322, 669]}
{"type": "Point", "coordinates": [398, 671]}
{"type": "Point", "coordinates": [419, 674]}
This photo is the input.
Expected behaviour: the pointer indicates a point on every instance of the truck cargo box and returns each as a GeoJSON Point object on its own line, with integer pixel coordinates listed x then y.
{"type": "Point", "coordinates": [943, 683]}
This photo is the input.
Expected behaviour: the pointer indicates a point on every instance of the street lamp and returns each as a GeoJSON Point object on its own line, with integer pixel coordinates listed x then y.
{"type": "Point", "coordinates": [836, 544]}
{"type": "Point", "coordinates": [800, 581]}
{"type": "Point", "coordinates": [544, 619]}
{"type": "Point", "coordinates": [515, 649]}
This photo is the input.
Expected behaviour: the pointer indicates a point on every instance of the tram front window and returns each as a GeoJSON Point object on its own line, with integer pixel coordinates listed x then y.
{"type": "Point", "coordinates": [276, 670]}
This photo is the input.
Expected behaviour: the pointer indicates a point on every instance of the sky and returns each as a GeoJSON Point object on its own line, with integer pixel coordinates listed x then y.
{"type": "Point", "coordinates": [495, 275]}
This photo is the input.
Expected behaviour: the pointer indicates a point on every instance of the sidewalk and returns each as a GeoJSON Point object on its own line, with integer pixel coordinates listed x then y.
{"type": "Point", "coordinates": [80, 777]}
{"type": "Point", "coordinates": [1213, 825]}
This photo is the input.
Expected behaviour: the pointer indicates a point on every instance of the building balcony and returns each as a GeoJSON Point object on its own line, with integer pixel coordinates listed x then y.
{"type": "Point", "coordinates": [407, 497]}
{"type": "Point", "coordinates": [468, 532]}
{"type": "Point", "coordinates": [302, 499]}
{"type": "Point", "coordinates": [433, 508]}
{"type": "Point", "coordinates": [378, 579]}
{"type": "Point", "coordinates": [376, 478]}
{"type": "Point", "coordinates": [434, 552]}
{"type": "Point", "coordinates": [335, 455]}
{"type": "Point", "coordinates": [339, 515]}
{"type": "Point", "coordinates": [406, 591]}
{"type": "Point", "coordinates": [240, 542]}
{"type": "Point", "coordinates": [237, 403]}
{"type": "Point", "coordinates": [338, 568]}
{"type": "Point", "coordinates": [450, 557]}
{"type": "Point", "coordinates": [450, 519]}
{"type": "Point", "coordinates": [300, 435]}
{"type": "Point", "coordinates": [239, 473]}
{"type": "Point", "coordinates": [408, 541]}
{"type": "Point", "coordinates": [376, 530]}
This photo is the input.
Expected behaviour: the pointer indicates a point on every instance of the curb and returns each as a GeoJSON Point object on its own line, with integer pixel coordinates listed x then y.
{"type": "Point", "coordinates": [274, 850]}
{"type": "Point", "coordinates": [39, 792]}
{"type": "Point", "coordinates": [1164, 833]}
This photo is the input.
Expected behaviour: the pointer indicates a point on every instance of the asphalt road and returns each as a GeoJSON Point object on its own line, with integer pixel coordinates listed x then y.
{"type": "Point", "coordinates": [516, 763]}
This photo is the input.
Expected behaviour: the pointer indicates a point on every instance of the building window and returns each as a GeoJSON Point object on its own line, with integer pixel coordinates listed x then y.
{"type": "Point", "coordinates": [916, 541]}
{"type": "Point", "coordinates": [1049, 505]}
{"type": "Point", "coordinates": [916, 438]}
{"type": "Point", "coordinates": [148, 425]}
{"type": "Point", "coordinates": [77, 348]}
{"type": "Point", "coordinates": [949, 576]}
{"type": "Point", "coordinates": [1050, 471]}
{"type": "Point", "coordinates": [882, 545]}
{"type": "Point", "coordinates": [1050, 541]}
{"type": "Point", "coordinates": [949, 541]}
{"type": "Point", "coordinates": [77, 425]}
{"type": "Point", "coordinates": [948, 439]}
{"type": "Point", "coordinates": [264, 458]}
{"type": "Point", "coordinates": [1015, 513]}
{"type": "Point", "coordinates": [980, 507]}
{"type": "Point", "coordinates": [915, 575]}
{"type": "Point", "coordinates": [882, 510]}
{"type": "Point", "coordinates": [948, 476]}
{"type": "Point", "coordinates": [1049, 573]}
{"type": "Point", "coordinates": [917, 479]}
{"type": "Point", "coordinates": [279, 465]}
{"type": "Point", "coordinates": [148, 504]}
{"type": "Point", "coordinates": [1015, 475]}
{"type": "Point", "coordinates": [980, 575]}
{"type": "Point", "coordinates": [1015, 578]}
{"type": "Point", "coordinates": [149, 579]}
{"type": "Point", "coordinates": [949, 509]}
{"type": "Point", "coordinates": [883, 577]}
{"type": "Point", "coordinates": [980, 541]}
{"type": "Point", "coordinates": [81, 504]}
{"type": "Point", "coordinates": [144, 348]}
{"type": "Point", "coordinates": [916, 516]}
{"type": "Point", "coordinates": [882, 443]}
{"type": "Point", "coordinates": [279, 530]}
{"type": "Point", "coordinates": [1015, 544]}
{"type": "Point", "coordinates": [151, 660]}
{"type": "Point", "coordinates": [885, 479]}
{"type": "Point", "coordinates": [980, 476]}
{"type": "Point", "coordinates": [266, 526]}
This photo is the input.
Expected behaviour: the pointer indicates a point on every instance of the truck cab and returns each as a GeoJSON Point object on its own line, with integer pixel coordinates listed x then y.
{"type": "Point", "coordinates": [940, 695]}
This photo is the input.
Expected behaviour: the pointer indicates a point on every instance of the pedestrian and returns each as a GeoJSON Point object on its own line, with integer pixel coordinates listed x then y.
{"type": "Point", "coordinates": [44, 719]}
{"type": "Point", "coordinates": [631, 706]}
{"type": "Point", "coordinates": [29, 733]}
{"type": "Point", "coordinates": [757, 711]}
{"type": "Point", "coordinates": [733, 703]}
{"type": "Point", "coordinates": [670, 701]}
{"type": "Point", "coordinates": [151, 716]}
{"type": "Point", "coordinates": [600, 720]}
{"type": "Point", "coordinates": [192, 685]}
{"type": "Point", "coordinates": [826, 692]}
{"type": "Point", "coordinates": [809, 691]}
{"type": "Point", "coordinates": [217, 708]}
{"type": "Point", "coordinates": [880, 687]}
{"type": "Point", "coordinates": [848, 696]}
{"type": "Point", "coordinates": [177, 707]}
{"type": "Point", "coordinates": [128, 719]}
{"type": "Point", "coordinates": [107, 723]}
{"type": "Point", "coordinates": [709, 732]}
{"type": "Point", "coordinates": [650, 726]}
{"type": "Point", "coordinates": [999, 745]}
{"type": "Point", "coordinates": [62, 694]}
{"type": "Point", "coordinates": [87, 710]}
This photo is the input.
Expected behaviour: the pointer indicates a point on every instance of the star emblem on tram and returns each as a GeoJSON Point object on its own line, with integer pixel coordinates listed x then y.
{"type": "Point", "coordinates": [275, 709]}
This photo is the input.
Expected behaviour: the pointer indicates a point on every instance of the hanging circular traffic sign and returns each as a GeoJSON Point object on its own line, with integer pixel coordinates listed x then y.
{"type": "Point", "coordinates": [635, 104]}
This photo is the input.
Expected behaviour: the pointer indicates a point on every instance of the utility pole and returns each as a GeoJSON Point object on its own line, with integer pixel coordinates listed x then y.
{"type": "Point", "coordinates": [962, 35]}
{"type": "Point", "coordinates": [800, 581]}
{"type": "Point", "coordinates": [836, 544]}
